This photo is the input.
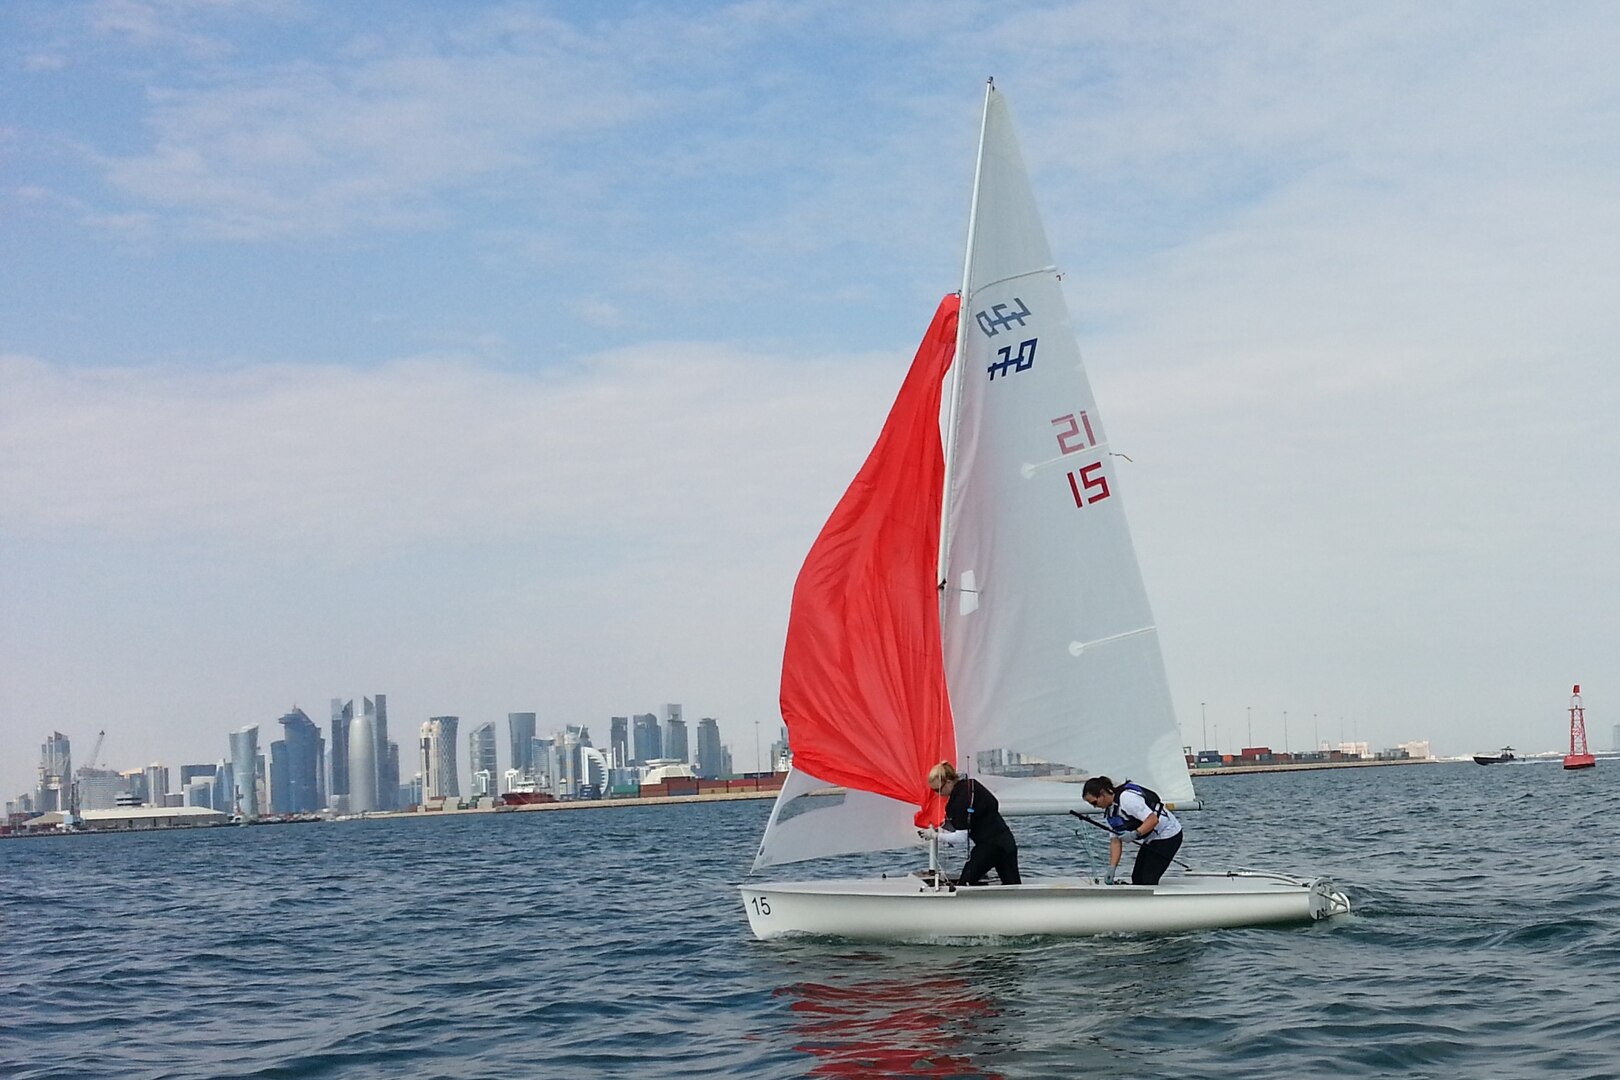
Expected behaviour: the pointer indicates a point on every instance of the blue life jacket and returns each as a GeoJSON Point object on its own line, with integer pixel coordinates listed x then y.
{"type": "Point", "coordinates": [1119, 820]}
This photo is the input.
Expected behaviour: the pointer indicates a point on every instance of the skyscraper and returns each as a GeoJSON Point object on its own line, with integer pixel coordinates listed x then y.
{"type": "Point", "coordinates": [546, 771]}
{"type": "Point", "coordinates": [439, 778]}
{"type": "Point", "coordinates": [225, 788]}
{"type": "Point", "coordinates": [191, 772]}
{"type": "Point", "coordinates": [157, 783]}
{"type": "Point", "coordinates": [709, 757]}
{"type": "Point", "coordinates": [280, 797]}
{"type": "Point", "coordinates": [199, 791]}
{"type": "Point", "coordinates": [54, 790]}
{"type": "Point", "coordinates": [649, 741]}
{"type": "Point", "coordinates": [99, 788]}
{"type": "Point", "coordinates": [387, 795]}
{"type": "Point", "coordinates": [134, 786]}
{"type": "Point", "coordinates": [244, 771]}
{"type": "Point", "coordinates": [322, 798]}
{"type": "Point", "coordinates": [363, 764]}
{"type": "Point", "coordinates": [481, 763]}
{"type": "Point", "coordinates": [391, 775]}
{"type": "Point", "coordinates": [619, 741]}
{"type": "Point", "coordinates": [521, 727]}
{"type": "Point", "coordinates": [302, 787]}
{"type": "Point", "coordinates": [675, 739]}
{"type": "Point", "coordinates": [342, 718]}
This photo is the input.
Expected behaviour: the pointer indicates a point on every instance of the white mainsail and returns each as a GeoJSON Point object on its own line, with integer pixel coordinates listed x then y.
{"type": "Point", "coordinates": [1051, 655]}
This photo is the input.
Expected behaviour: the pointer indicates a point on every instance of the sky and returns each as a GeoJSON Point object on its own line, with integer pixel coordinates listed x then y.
{"type": "Point", "coordinates": [508, 356]}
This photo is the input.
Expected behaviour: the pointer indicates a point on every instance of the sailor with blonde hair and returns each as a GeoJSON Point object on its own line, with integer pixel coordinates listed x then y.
{"type": "Point", "coordinates": [971, 813]}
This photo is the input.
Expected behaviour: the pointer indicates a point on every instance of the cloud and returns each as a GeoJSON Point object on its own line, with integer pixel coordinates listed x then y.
{"type": "Point", "coordinates": [315, 147]}
{"type": "Point", "coordinates": [583, 541]}
{"type": "Point", "coordinates": [627, 443]}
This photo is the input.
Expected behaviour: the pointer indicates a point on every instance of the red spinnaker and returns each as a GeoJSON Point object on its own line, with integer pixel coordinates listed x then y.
{"type": "Point", "coordinates": [863, 673]}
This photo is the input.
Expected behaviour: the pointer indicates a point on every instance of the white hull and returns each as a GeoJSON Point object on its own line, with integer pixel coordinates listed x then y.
{"type": "Point", "coordinates": [908, 909]}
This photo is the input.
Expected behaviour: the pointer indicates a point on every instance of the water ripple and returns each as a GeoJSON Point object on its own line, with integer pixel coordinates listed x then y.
{"type": "Point", "coordinates": [611, 943]}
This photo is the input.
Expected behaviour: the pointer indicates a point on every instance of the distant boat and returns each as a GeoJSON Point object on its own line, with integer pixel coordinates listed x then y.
{"type": "Point", "coordinates": [1505, 754]}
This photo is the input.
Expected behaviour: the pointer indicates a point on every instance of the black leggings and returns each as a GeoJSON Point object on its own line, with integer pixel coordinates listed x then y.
{"type": "Point", "coordinates": [1154, 859]}
{"type": "Point", "coordinates": [1000, 854]}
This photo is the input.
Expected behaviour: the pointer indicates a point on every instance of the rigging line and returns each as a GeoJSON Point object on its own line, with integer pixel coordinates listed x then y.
{"type": "Point", "coordinates": [1120, 838]}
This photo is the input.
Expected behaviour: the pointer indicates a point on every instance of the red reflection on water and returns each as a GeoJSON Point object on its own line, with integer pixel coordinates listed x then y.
{"type": "Point", "coordinates": [887, 1027]}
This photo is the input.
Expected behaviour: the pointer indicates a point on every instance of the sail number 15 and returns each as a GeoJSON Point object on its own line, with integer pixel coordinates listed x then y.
{"type": "Point", "coordinates": [1086, 484]}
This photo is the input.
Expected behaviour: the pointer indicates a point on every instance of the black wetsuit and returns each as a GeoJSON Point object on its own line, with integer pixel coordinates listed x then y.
{"type": "Point", "coordinates": [972, 808]}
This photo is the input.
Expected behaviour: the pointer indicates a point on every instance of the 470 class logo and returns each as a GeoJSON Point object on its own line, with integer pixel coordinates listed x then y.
{"type": "Point", "coordinates": [998, 317]}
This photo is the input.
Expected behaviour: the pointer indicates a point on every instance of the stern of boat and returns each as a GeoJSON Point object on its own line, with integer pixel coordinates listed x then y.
{"type": "Point", "coordinates": [1327, 900]}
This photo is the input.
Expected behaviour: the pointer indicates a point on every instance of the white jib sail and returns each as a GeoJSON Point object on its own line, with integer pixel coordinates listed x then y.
{"type": "Point", "coordinates": [805, 825]}
{"type": "Point", "coordinates": [1051, 655]}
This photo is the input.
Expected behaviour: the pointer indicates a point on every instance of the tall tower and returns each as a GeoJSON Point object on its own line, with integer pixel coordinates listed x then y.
{"type": "Point", "coordinates": [342, 718]}
{"type": "Point", "coordinates": [391, 775]}
{"type": "Point", "coordinates": [387, 788]}
{"type": "Point", "coordinates": [649, 741]}
{"type": "Point", "coordinates": [55, 774]}
{"type": "Point", "coordinates": [619, 741]}
{"type": "Point", "coordinates": [521, 725]}
{"type": "Point", "coordinates": [244, 798]}
{"type": "Point", "coordinates": [157, 783]}
{"type": "Point", "coordinates": [439, 777]}
{"type": "Point", "coordinates": [675, 739]}
{"type": "Point", "coordinates": [709, 756]}
{"type": "Point", "coordinates": [481, 759]}
{"type": "Point", "coordinates": [363, 764]}
{"type": "Point", "coordinates": [302, 783]}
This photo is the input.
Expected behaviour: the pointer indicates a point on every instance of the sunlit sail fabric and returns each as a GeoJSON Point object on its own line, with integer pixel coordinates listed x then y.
{"type": "Point", "coordinates": [1051, 653]}
{"type": "Point", "coordinates": [863, 686]}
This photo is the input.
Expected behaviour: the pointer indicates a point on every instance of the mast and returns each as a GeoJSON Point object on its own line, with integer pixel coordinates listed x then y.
{"type": "Point", "coordinates": [953, 414]}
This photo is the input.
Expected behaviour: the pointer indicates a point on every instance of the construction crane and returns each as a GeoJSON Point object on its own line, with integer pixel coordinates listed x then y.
{"type": "Point", "coordinates": [95, 751]}
{"type": "Point", "coordinates": [72, 820]}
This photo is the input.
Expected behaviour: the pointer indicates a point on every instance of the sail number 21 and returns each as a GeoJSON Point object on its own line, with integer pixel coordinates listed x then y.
{"type": "Point", "coordinates": [1074, 434]}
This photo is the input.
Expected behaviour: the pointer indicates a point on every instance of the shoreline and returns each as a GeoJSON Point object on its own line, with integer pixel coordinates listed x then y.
{"type": "Point", "coordinates": [669, 800]}
{"type": "Point", "coordinates": [1309, 766]}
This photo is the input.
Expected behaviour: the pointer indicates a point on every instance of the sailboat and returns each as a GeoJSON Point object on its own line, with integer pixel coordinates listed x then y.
{"type": "Point", "coordinates": [975, 598]}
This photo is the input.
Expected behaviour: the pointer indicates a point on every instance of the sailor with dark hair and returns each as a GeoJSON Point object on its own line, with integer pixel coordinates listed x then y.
{"type": "Point", "coordinates": [972, 813]}
{"type": "Point", "coordinates": [1135, 812]}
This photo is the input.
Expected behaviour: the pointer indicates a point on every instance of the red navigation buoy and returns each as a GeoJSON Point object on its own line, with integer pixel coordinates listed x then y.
{"type": "Point", "coordinates": [1578, 757]}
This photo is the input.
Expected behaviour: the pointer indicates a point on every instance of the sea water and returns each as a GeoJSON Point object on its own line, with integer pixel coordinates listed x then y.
{"type": "Point", "coordinates": [1485, 942]}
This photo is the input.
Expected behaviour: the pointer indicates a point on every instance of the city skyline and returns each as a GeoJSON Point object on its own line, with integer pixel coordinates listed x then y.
{"type": "Point", "coordinates": [319, 762]}
{"type": "Point", "coordinates": [511, 355]}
